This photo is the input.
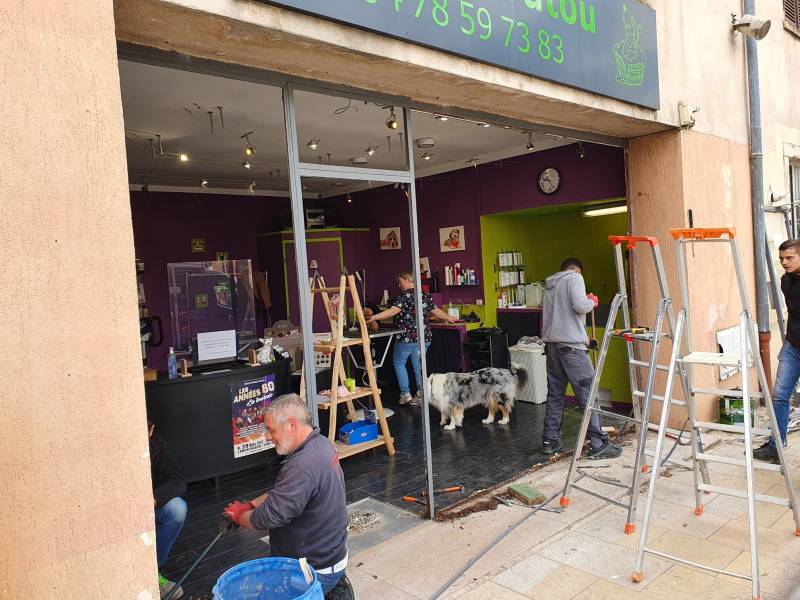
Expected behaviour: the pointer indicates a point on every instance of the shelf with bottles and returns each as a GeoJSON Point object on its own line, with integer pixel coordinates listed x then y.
{"type": "Point", "coordinates": [510, 269]}
{"type": "Point", "coordinates": [458, 276]}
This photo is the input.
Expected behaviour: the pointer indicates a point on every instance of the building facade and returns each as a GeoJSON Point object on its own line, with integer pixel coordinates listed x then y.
{"type": "Point", "coordinates": [78, 515]}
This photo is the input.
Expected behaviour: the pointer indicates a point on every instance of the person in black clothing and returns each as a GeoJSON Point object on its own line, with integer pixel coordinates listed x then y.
{"type": "Point", "coordinates": [305, 512]}
{"type": "Point", "coordinates": [404, 312]}
{"type": "Point", "coordinates": [789, 356]}
{"type": "Point", "coordinates": [169, 484]}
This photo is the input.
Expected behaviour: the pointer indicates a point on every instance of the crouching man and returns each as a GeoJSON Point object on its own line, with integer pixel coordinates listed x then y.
{"type": "Point", "coordinates": [305, 512]}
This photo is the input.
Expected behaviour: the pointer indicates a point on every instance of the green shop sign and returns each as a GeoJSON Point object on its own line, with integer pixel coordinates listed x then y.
{"type": "Point", "coordinates": [602, 46]}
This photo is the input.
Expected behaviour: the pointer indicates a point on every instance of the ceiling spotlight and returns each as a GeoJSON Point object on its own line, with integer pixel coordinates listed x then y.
{"type": "Point", "coordinates": [483, 125]}
{"type": "Point", "coordinates": [249, 149]}
{"type": "Point", "coordinates": [359, 160]}
{"type": "Point", "coordinates": [313, 144]}
{"type": "Point", "coordinates": [204, 183]}
{"type": "Point", "coordinates": [426, 156]}
{"type": "Point", "coordinates": [246, 164]}
{"type": "Point", "coordinates": [184, 157]}
{"type": "Point", "coordinates": [581, 151]}
{"type": "Point", "coordinates": [426, 142]}
{"type": "Point", "coordinates": [371, 150]}
{"type": "Point", "coordinates": [391, 122]}
{"type": "Point", "coordinates": [349, 199]}
{"type": "Point", "coordinates": [252, 187]}
{"type": "Point", "coordinates": [530, 145]}
{"type": "Point", "coordinates": [751, 26]}
{"type": "Point", "coordinates": [441, 118]}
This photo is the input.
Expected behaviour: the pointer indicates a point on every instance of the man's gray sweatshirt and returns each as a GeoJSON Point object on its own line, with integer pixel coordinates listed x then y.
{"type": "Point", "coordinates": [306, 511]}
{"type": "Point", "coordinates": [564, 309]}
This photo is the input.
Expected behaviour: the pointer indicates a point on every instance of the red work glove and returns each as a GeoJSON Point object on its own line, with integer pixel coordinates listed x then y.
{"type": "Point", "coordinates": [595, 300]}
{"type": "Point", "coordinates": [235, 510]}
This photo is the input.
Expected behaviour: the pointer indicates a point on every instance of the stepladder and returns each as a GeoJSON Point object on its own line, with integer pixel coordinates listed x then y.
{"type": "Point", "coordinates": [333, 344]}
{"type": "Point", "coordinates": [746, 359]}
{"type": "Point", "coordinates": [643, 346]}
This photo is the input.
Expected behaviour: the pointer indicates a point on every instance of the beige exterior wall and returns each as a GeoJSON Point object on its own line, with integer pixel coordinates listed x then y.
{"type": "Point", "coordinates": [77, 511]}
{"type": "Point", "coordinates": [779, 64]}
{"type": "Point", "coordinates": [668, 174]}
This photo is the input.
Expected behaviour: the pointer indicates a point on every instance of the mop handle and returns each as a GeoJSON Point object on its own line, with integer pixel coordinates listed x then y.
{"type": "Point", "coordinates": [222, 530]}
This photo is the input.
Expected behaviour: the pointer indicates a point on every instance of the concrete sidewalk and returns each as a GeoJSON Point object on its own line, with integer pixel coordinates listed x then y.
{"type": "Point", "coordinates": [582, 552]}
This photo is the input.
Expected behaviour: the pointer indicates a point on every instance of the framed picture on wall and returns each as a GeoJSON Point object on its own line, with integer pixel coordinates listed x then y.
{"type": "Point", "coordinates": [390, 238]}
{"type": "Point", "coordinates": [425, 267]}
{"type": "Point", "coordinates": [451, 239]}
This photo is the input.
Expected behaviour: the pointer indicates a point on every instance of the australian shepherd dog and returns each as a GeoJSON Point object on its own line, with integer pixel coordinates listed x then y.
{"type": "Point", "coordinates": [494, 388]}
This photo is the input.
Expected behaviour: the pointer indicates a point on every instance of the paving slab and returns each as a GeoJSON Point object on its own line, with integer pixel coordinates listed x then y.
{"type": "Point", "coordinates": [562, 584]}
{"type": "Point", "coordinates": [599, 558]}
{"type": "Point", "coordinates": [525, 575]}
{"type": "Point", "coordinates": [772, 571]}
{"type": "Point", "coordinates": [689, 547]}
{"type": "Point", "coordinates": [683, 582]}
{"type": "Point", "coordinates": [486, 591]}
{"type": "Point", "coordinates": [771, 542]}
{"type": "Point", "coordinates": [370, 586]}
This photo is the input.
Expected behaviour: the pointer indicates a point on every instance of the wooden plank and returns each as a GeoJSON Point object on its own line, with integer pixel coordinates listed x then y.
{"type": "Point", "coordinates": [345, 450]}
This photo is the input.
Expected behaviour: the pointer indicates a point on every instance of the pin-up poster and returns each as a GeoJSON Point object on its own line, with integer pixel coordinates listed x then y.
{"type": "Point", "coordinates": [249, 400]}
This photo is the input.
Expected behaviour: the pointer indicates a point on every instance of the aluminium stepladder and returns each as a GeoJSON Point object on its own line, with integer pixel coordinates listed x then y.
{"type": "Point", "coordinates": [748, 350]}
{"type": "Point", "coordinates": [665, 325]}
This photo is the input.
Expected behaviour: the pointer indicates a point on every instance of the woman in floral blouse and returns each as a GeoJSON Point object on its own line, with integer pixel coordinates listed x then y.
{"type": "Point", "coordinates": [406, 346]}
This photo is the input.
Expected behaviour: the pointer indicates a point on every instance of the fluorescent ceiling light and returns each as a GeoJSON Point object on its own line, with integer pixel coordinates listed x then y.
{"type": "Point", "coordinates": [605, 210]}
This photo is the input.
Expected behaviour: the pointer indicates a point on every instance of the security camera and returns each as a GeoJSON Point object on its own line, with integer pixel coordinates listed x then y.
{"type": "Point", "coordinates": [685, 115]}
{"type": "Point", "coordinates": [751, 26]}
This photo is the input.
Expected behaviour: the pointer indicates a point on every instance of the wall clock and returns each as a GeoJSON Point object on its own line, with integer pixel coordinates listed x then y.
{"type": "Point", "coordinates": [549, 180]}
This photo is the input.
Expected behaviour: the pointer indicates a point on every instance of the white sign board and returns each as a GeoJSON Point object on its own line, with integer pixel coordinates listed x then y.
{"type": "Point", "coordinates": [216, 345]}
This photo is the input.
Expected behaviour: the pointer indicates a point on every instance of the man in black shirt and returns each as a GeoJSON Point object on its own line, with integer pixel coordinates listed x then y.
{"type": "Point", "coordinates": [169, 485]}
{"type": "Point", "coordinates": [305, 512]}
{"type": "Point", "coordinates": [789, 356]}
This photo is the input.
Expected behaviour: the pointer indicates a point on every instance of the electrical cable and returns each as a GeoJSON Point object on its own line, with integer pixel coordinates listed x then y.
{"type": "Point", "coordinates": [491, 545]}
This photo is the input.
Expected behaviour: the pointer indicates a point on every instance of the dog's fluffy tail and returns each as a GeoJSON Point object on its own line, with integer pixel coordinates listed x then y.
{"type": "Point", "coordinates": [520, 373]}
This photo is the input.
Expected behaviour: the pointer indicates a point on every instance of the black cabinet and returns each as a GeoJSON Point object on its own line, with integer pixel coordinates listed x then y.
{"type": "Point", "coordinates": [487, 347]}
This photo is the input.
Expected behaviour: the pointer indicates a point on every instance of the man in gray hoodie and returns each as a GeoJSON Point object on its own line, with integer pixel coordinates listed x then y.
{"type": "Point", "coordinates": [567, 348]}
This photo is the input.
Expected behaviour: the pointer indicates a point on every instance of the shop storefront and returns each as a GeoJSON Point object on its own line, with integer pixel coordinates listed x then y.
{"type": "Point", "coordinates": [498, 207]}
{"type": "Point", "coordinates": [515, 122]}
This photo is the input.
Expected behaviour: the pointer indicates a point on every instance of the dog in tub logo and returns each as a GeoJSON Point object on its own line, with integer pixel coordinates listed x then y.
{"type": "Point", "coordinates": [628, 53]}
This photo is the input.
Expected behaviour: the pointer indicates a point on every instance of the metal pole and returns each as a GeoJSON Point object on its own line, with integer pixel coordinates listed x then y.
{"type": "Point", "coordinates": [301, 258]}
{"type": "Point", "coordinates": [413, 222]}
{"type": "Point", "coordinates": [757, 188]}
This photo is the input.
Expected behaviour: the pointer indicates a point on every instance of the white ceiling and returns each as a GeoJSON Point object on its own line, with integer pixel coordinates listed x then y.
{"type": "Point", "coordinates": [175, 104]}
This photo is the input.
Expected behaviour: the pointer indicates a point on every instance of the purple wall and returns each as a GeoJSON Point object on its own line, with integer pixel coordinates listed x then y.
{"type": "Point", "coordinates": [164, 224]}
{"type": "Point", "coordinates": [461, 197]}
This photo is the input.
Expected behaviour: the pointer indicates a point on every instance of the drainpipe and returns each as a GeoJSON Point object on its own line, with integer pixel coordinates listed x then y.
{"type": "Point", "coordinates": [757, 194]}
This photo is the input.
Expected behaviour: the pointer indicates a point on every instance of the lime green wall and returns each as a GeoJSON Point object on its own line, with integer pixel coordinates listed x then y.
{"type": "Point", "coordinates": [547, 239]}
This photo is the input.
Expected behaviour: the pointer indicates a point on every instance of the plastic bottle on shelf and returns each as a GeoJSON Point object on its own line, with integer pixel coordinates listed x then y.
{"type": "Point", "coordinates": [172, 364]}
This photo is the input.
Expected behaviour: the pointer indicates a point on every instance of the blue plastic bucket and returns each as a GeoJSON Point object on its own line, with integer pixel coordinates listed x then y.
{"type": "Point", "coordinates": [267, 579]}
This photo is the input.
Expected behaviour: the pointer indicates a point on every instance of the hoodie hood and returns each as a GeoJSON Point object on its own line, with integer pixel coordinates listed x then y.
{"type": "Point", "coordinates": [554, 279]}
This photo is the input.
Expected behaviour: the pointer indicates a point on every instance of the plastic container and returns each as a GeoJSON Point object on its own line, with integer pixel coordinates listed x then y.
{"type": "Point", "coordinates": [533, 294]}
{"type": "Point", "coordinates": [358, 432]}
{"type": "Point", "coordinates": [267, 579]}
{"type": "Point", "coordinates": [172, 364]}
{"type": "Point", "coordinates": [532, 359]}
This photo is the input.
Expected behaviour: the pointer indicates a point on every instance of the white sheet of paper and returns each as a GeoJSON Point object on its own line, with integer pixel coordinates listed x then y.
{"type": "Point", "coordinates": [216, 345]}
